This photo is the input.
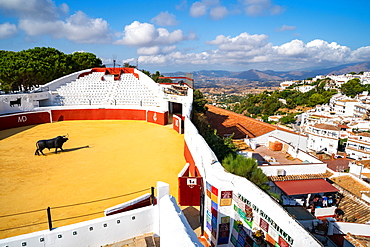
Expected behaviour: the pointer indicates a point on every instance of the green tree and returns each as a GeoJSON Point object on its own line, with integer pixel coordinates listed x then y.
{"type": "Point", "coordinates": [199, 102]}
{"type": "Point", "coordinates": [37, 66]}
{"type": "Point", "coordinates": [352, 87]}
{"type": "Point", "coordinates": [86, 60]}
{"type": "Point", "coordinates": [246, 167]}
{"type": "Point", "coordinates": [315, 99]}
{"type": "Point", "coordinates": [290, 118]}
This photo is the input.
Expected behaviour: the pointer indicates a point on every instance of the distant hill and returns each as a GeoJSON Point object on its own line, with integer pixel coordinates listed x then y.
{"type": "Point", "coordinates": [270, 75]}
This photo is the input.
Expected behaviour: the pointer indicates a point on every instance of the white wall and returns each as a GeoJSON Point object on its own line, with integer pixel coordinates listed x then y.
{"type": "Point", "coordinates": [294, 169]}
{"type": "Point", "coordinates": [105, 230]}
{"type": "Point", "coordinates": [174, 229]}
{"type": "Point", "coordinates": [346, 227]}
{"type": "Point", "coordinates": [213, 173]}
{"type": "Point", "coordinates": [294, 139]}
{"type": "Point", "coordinates": [28, 102]}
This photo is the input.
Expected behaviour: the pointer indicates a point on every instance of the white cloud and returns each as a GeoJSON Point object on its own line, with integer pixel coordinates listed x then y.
{"type": "Point", "coordinates": [209, 7]}
{"type": "Point", "coordinates": [244, 41]}
{"type": "Point", "coordinates": [33, 9]}
{"type": "Point", "coordinates": [261, 7]}
{"type": "Point", "coordinates": [198, 9]}
{"type": "Point", "coordinates": [153, 50]}
{"type": "Point", "coordinates": [362, 54]}
{"type": "Point", "coordinates": [219, 12]}
{"type": "Point", "coordinates": [246, 49]}
{"type": "Point", "coordinates": [44, 17]}
{"type": "Point", "coordinates": [78, 28]}
{"type": "Point", "coordinates": [285, 28]}
{"type": "Point", "coordinates": [182, 6]}
{"type": "Point", "coordinates": [146, 35]}
{"type": "Point", "coordinates": [293, 48]}
{"type": "Point", "coordinates": [7, 30]}
{"type": "Point", "coordinates": [165, 19]}
{"type": "Point", "coordinates": [168, 49]}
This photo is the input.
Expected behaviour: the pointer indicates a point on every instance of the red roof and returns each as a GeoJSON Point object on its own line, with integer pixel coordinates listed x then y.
{"type": "Point", "coordinates": [228, 122]}
{"type": "Point", "coordinates": [299, 187]}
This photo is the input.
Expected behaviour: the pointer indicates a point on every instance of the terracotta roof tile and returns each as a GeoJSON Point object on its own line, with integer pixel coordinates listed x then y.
{"type": "Point", "coordinates": [366, 134]}
{"type": "Point", "coordinates": [228, 122]}
{"type": "Point", "coordinates": [336, 164]}
{"type": "Point", "coordinates": [326, 126]}
{"type": "Point", "coordinates": [300, 177]}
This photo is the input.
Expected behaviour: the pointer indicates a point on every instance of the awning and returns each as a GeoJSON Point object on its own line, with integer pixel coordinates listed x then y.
{"type": "Point", "coordinates": [308, 186]}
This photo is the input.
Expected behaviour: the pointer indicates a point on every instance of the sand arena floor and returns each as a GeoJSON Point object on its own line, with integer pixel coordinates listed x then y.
{"type": "Point", "coordinates": [102, 159]}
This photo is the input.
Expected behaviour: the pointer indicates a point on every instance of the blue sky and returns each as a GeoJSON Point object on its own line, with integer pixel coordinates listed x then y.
{"type": "Point", "coordinates": [184, 35]}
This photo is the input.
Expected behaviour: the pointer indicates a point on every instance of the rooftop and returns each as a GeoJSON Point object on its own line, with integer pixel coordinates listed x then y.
{"type": "Point", "coordinates": [350, 184]}
{"type": "Point", "coordinates": [265, 155]}
{"type": "Point", "coordinates": [337, 164]}
{"type": "Point", "coordinates": [327, 127]}
{"type": "Point", "coordinates": [228, 122]}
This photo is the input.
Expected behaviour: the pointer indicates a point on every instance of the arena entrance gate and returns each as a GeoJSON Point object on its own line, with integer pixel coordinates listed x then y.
{"type": "Point", "coordinates": [174, 109]}
{"type": "Point", "coordinates": [190, 187]}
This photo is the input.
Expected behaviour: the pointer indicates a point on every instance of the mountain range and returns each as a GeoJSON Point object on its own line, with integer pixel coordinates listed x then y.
{"type": "Point", "coordinates": [270, 75]}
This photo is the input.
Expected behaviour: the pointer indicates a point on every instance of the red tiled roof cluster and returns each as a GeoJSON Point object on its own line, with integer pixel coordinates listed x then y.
{"type": "Point", "coordinates": [228, 122]}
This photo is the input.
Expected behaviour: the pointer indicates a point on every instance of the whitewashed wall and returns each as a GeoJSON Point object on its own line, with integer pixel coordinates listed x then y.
{"type": "Point", "coordinates": [28, 102]}
{"type": "Point", "coordinates": [298, 169]}
{"type": "Point", "coordinates": [346, 227]}
{"type": "Point", "coordinates": [213, 173]}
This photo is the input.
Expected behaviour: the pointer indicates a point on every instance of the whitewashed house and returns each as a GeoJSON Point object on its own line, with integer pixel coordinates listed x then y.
{"type": "Point", "coordinates": [345, 107]}
{"type": "Point", "coordinates": [358, 146]}
{"type": "Point", "coordinates": [305, 88]}
{"type": "Point", "coordinates": [323, 138]}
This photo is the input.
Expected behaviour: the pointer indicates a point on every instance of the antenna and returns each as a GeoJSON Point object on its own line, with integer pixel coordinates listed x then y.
{"type": "Point", "coordinates": [114, 60]}
{"type": "Point", "coordinates": [137, 63]}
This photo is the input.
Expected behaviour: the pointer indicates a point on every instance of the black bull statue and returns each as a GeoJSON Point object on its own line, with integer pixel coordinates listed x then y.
{"type": "Point", "coordinates": [56, 143]}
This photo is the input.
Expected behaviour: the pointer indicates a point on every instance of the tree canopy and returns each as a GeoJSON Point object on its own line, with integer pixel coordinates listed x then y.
{"type": "Point", "coordinates": [352, 87]}
{"type": "Point", "coordinates": [245, 167]}
{"type": "Point", "coordinates": [33, 67]}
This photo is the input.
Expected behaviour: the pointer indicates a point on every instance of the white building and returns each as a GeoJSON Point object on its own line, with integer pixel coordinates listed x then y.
{"type": "Point", "coordinates": [362, 110]}
{"type": "Point", "coordinates": [345, 107]}
{"type": "Point", "coordinates": [285, 84]}
{"type": "Point", "coordinates": [305, 88]}
{"type": "Point", "coordinates": [358, 146]}
{"type": "Point", "coordinates": [323, 138]}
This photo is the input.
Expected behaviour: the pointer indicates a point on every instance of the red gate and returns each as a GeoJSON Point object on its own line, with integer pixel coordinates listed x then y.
{"type": "Point", "coordinates": [189, 187]}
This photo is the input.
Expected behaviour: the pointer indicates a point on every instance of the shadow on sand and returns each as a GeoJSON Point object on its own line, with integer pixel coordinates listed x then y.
{"type": "Point", "coordinates": [13, 131]}
{"type": "Point", "coordinates": [74, 149]}
{"type": "Point", "coordinates": [52, 150]}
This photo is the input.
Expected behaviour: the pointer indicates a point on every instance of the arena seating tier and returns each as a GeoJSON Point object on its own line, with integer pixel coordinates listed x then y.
{"type": "Point", "coordinates": [94, 89]}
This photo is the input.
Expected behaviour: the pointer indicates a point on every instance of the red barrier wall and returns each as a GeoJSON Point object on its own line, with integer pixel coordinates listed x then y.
{"type": "Point", "coordinates": [31, 118]}
{"type": "Point", "coordinates": [157, 117]}
{"type": "Point", "coordinates": [98, 114]}
{"type": "Point", "coordinates": [176, 125]}
{"type": "Point", "coordinates": [24, 119]}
